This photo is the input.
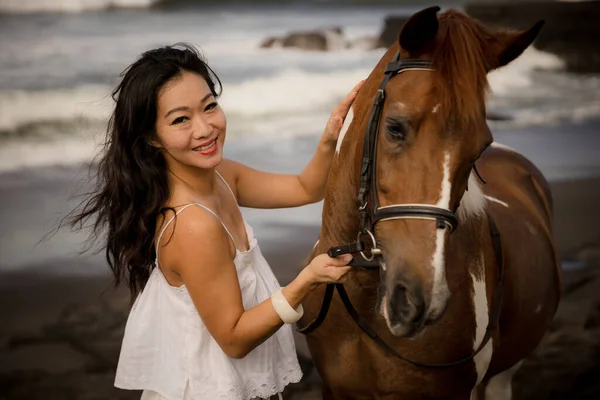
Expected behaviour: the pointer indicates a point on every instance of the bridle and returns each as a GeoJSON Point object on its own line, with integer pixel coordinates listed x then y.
{"type": "Point", "coordinates": [369, 209]}
{"type": "Point", "coordinates": [371, 213]}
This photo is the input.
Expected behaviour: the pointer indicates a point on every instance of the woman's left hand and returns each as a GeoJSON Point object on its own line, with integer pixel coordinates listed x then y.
{"type": "Point", "coordinates": [336, 120]}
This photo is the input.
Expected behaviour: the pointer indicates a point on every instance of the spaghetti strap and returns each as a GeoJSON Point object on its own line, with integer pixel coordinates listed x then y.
{"type": "Point", "coordinates": [183, 208]}
{"type": "Point", "coordinates": [228, 187]}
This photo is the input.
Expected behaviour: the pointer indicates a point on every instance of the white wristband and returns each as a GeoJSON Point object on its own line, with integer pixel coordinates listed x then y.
{"type": "Point", "coordinates": [283, 308]}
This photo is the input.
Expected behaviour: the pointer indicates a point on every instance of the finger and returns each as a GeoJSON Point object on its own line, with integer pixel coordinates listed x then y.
{"type": "Point", "coordinates": [335, 122]}
{"type": "Point", "coordinates": [356, 88]}
{"type": "Point", "coordinates": [344, 106]}
{"type": "Point", "coordinates": [341, 261]}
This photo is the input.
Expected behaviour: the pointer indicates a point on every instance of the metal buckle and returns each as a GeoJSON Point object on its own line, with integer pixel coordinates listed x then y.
{"type": "Point", "coordinates": [374, 250]}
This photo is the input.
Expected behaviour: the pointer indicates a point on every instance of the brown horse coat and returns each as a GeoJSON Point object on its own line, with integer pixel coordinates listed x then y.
{"type": "Point", "coordinates": [516, 197]}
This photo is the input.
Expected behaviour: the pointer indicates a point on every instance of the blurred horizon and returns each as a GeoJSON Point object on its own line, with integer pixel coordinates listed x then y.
{"type": "Point", "coordinates": [12, 7]}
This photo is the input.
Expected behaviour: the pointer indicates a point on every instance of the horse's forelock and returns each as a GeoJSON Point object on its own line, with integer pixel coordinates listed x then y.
{"type": "Point", "coordinates": [461, 61]}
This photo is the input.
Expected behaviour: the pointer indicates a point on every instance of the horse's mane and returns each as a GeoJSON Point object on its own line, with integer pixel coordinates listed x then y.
{"type": "Point", "coordinates": [462, 61]}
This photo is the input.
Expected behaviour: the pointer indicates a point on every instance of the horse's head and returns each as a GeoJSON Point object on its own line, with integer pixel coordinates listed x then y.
{"type": "Point", "coordinates": [432, 130]}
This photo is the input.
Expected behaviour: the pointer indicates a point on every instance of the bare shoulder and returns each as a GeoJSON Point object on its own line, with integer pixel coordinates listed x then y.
{"type": "Point", "coordinates": [230, 170]}
{"type": "Point", "coordinates": [195, 234]}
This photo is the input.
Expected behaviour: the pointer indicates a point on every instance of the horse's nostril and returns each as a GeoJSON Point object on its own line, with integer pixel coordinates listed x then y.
{"type": "Point", "coordinates": [399, 301]}
{"type": "Point", "coordinates": [405, 307]}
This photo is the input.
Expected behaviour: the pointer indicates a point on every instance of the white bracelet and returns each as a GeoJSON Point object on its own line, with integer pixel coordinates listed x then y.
{"type": "Point", "coordinates": [283, 308]}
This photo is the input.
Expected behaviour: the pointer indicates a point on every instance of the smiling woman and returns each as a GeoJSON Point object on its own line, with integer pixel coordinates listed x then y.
{"type": "Point", "coordinates": [209, 319]}
{"type": "Point", "coordinates": [199, 124]}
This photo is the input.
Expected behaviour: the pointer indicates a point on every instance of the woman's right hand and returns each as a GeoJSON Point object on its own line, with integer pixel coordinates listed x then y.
{"type": "Point", "coordinates": [325, 269]}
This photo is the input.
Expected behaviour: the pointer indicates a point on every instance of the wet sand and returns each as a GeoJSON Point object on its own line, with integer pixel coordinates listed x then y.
{"type": "Point", "coordinates": [60, 334]}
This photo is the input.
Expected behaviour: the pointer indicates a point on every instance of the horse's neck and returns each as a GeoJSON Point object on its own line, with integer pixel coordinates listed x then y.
{"type": "Point", "coordinates": [469, 255]}
{"type": "Point", "coordinates": [467, 246]}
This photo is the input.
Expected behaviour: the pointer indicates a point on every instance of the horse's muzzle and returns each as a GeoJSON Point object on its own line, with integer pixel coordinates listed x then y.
{"type": "Point", "coordinates": [403, 310]}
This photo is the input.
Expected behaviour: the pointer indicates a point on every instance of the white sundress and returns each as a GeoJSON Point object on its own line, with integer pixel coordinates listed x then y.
{"type": "Point", "coordinates": [169, 354]}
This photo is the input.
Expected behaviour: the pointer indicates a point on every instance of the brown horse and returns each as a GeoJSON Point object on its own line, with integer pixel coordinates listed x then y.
{"type": "Point", "coordinates": [467, 278]}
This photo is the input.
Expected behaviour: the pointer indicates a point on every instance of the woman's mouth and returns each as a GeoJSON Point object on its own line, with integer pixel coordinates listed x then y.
{"type": "Point", "coordinates": [207, 149]}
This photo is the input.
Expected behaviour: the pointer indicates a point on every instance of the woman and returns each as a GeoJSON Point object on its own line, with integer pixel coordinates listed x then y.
{"type": "Point", "coordinates": [210, 320]}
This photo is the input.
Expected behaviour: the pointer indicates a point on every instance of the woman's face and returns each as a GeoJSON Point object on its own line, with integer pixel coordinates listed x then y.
{"type": "Point", "coordinates": [190, 125]}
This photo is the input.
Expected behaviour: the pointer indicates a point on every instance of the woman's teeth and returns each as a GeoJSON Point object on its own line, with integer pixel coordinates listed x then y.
{"type": "Point", "coordinates": [207, 147]}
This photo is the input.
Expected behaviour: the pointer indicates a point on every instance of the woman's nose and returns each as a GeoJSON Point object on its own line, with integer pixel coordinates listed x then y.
{"type": "Point", "coordinates": [203, 127]}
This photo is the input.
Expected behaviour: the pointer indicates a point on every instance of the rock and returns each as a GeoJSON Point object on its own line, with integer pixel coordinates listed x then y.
{"type": "Point", "coordinates": [328, 39]}
{"type": "Point", "coordinates": [268, 42]}
{"type": "Point", "coordinates": [571, 30]}
{"type": "Point", "coordinates": [306, 41]}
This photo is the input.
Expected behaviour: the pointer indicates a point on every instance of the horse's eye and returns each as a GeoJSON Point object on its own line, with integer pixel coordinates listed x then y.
{"type": "Point", "coordinates": [396, 129]}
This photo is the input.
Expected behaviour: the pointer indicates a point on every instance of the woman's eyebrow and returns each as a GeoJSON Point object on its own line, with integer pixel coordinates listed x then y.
{"type": "Point", "coordinates": [185, 108]}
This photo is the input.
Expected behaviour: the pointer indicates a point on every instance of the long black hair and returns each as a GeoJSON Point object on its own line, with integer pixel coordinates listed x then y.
{"type": "Point", "coordinates": [131, 186]}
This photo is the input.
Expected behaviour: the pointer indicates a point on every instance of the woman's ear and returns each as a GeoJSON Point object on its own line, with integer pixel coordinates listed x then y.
{"type": "Point", "coordinates": [154, 143]}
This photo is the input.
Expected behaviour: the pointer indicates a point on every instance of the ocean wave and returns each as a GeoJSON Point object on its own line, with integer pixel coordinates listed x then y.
{"type": "Point", "coordinates": [63, 126]}
{"type": "Point", "coordinates": [69, 6]}
{"type": "Point", "coordinates": [20, 108]}
{"type": "Point", "coordinates": [75, 6]}
{"type": "Point", "coordinates": [30, 154]}
{"type": "Point", "coordinates": [549, 116]}
{"type": "Point", "coordinates": [292, 90]}
{"type": "Point", "coordinates": [518, 74]}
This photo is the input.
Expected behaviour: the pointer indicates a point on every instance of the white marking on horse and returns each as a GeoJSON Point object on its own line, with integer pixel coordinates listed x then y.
{"type": "Point", "coordinates": [398, 106]}
{"type": "Point", "coordinates": [316, 244]}
{"type": "Point", "coordinates": [344, 130]}
{"type": "Point", "coordinates": [481, 315]}
{"type": "Point", "coordinates": [435, 108]}
{"type": "Point", "coordinates": [495, 200]}
{"type": "Point", "coordinates": [473, 201]}
{"type": "Point", "coordinates": [440, 286]}
{"type": "Point", "coordinates": [500, 386]}
{"type": "Point", "coordinates": [384, 311]}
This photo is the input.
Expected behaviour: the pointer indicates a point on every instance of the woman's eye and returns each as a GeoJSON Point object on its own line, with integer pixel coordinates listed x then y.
{"type": "Point", "coordinates": [179, 120]}
{"type": "Point", "coordinates": [211, 106]}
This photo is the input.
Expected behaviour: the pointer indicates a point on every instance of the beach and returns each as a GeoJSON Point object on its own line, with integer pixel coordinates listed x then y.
{"type": "Point", "coordinates": [61, 319]}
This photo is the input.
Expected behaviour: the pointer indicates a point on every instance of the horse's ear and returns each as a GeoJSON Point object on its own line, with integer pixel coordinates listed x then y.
{"type": "Point", "coordinates": [511, 44]}
{"type": "Point", "coordinates": [419, 31]}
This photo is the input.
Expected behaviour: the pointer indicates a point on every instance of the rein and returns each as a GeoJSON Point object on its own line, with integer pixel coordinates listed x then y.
{"type": "Point", "coordinates": [370, 213]}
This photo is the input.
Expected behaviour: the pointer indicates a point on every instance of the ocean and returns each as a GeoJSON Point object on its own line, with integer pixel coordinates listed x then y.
{"type": "Point", "coordinates": [60, 59]}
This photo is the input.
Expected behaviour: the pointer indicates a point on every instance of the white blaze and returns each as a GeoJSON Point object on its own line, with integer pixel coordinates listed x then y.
{"type": "Point", "coordinates": [440, 287]}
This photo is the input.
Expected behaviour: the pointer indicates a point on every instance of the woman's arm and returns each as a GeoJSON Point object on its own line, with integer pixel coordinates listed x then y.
{"type": "Point", "coordinates": [201, 253]}
{"type": "Point", "coordinates": [258, 189]}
